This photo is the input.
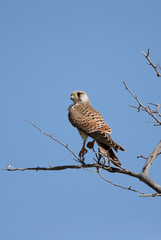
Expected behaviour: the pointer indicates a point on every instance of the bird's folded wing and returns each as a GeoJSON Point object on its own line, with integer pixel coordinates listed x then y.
{"type": "Point", "coordinates": [105, 138]}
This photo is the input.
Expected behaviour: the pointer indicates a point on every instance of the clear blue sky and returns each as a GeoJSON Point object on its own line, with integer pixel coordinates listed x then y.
{"type": "Point", "coordinates": [49, 49]}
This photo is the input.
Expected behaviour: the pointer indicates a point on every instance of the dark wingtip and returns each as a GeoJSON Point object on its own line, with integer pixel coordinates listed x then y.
{"type": "Point", "coordinates": [122, 149]}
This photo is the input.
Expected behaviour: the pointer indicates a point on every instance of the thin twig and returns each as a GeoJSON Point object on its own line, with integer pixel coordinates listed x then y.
{"type": "Point", "coordinates": [141, 107]}
{"type": "Point", "coordinates": [141, 156]}
{"type": "Point", "coordinates": [150, 62]}
{"type": "Point", "coordinates": [158, 108]}
{"type": "Point", "coordinates": [117, 185]}
{"type": "Point", "coordinates": [53, 138]}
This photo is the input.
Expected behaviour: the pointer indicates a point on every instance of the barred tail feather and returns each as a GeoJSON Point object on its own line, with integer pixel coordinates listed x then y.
{"type": "Point", "coordinates": [109, 153]}
{"type": "Point", "coordinates": [118, 147]}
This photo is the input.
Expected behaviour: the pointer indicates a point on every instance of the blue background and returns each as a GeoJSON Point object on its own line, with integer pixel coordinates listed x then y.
{"type": "Point", "coordinates": [48, 49]}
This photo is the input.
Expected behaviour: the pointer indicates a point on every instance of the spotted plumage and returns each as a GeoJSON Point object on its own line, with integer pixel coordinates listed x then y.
{"type": "Point", "coordinates": [90, 122]}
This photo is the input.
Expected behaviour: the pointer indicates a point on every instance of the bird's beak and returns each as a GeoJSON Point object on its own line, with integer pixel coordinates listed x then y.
{"type": "Point", "coordinates": [72, 96]}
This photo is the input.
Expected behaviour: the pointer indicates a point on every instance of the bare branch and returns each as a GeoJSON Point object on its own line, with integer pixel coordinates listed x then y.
{"type": "Point", "coordinates": [151, 158]}
{"type": "Point", "coordinates": [117, 185]}
{"type": "Point", "coordinates": [141, 107]}
{"type": "Point", "coordinates": [98, 166]}
{"type": "Point", "coordinates": [141, 176]}
{"type": "Point", "coordinates": [84, 167]}
{"type": "Point", "coordinates": [51, 168]}
{"type": "Point", "coordinates": [141, 156]}
{"type": "Point", "coordinates": [158, 108]}
{"type": "Point", "coordinates": [150, 62]}
{"type": "Point", "coordinates": [53, 138]}
{"type": "Point", "coordinates": [151, 195]}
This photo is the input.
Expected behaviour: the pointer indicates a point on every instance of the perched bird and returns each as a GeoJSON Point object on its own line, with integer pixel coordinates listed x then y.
{"type": "Point", "coordinates": [90, 122]}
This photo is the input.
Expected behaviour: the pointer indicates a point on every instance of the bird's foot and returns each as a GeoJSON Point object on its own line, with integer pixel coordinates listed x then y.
{"type": "Point", "coordinates": [90, 144]}
{"type": "Point", "coordinates": [82, 152]}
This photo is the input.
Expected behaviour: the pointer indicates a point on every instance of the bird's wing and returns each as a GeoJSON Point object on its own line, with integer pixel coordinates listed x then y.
{"type": "Point", "coordinates": [87, 119]}
{"type": "Point", "coordinates": [104, 138]}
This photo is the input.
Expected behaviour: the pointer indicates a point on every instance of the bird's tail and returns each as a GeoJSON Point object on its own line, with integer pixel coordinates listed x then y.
{"type": "Point", "coordinates": [117, 146]}
{"type": "Point", "coordinates": [109, 153]}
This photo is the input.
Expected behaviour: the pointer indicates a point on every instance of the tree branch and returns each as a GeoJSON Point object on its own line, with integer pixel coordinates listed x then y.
{"type": "Point", "coordinates": [51, 168]}
{"type": "Point", "coordinates": [141, 176]}
{"type": "Point", "coordinates": [117, 185]}
{"type": "Point", "coordinates": [141, 156]}
{"type": "Point", "coordinates": [150, 62]}
{"type": "Point", "coordinates": [151, 195]}
{"type": "Point", "coordinates": [98, 165]}
{"type": "Point", "coordinates": [158, 108]}
{"type": "Point", "coordinates": [151, 158]}
{"type": "Point", "coordinates": [84, 167]}
{"type": "Point", "coordinates": [53, 138]}
{"type": "Point", "coordinates": [141, 107]}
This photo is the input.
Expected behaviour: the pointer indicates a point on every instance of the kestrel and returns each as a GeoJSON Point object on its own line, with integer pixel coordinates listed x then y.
{"type": "Point", "coordinates": [90, 122]}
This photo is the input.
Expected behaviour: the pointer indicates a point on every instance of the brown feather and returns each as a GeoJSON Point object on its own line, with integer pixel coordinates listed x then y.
{"type": "Point", "coordinates": [106, 139]}
{"type": "Point", "coordinates": [87, 119]}
{"type": "Point", "coordinates": [109, 154]}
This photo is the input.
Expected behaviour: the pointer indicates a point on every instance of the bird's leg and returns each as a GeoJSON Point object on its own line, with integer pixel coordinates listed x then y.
{"type": "Point", "coordinates": [91, 144]}
{"type": "Point", "coordinates": [83, 151]}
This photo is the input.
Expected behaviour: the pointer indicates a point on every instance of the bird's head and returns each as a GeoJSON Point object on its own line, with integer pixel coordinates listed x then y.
{"type": "Point", "coordinates": [79, 96]}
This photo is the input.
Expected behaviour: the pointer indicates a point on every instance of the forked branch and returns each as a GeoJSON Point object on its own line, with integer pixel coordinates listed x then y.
{"type": "Point", "coordinates": [153, 113]}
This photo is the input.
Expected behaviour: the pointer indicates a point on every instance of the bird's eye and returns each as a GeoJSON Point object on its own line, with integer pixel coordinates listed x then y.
{"type": "Point", "coordinates": [78, 94]}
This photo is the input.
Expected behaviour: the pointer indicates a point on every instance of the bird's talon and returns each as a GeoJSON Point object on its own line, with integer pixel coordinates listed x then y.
{"type": "Point", "coordinates": [82, 152]}
{"type": "Point", "coordinates": [90, 144]}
